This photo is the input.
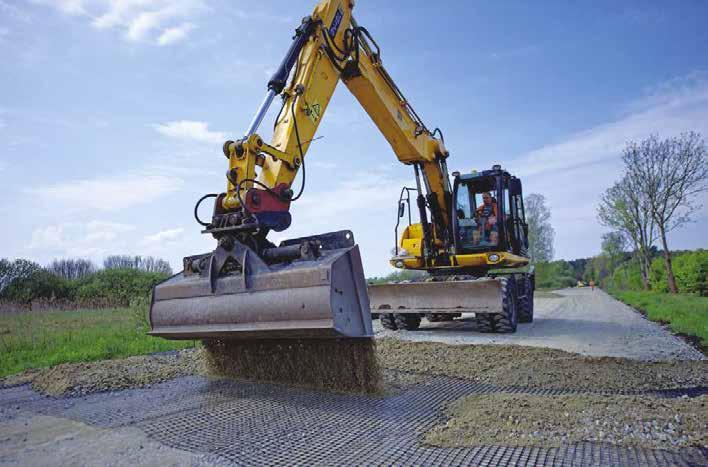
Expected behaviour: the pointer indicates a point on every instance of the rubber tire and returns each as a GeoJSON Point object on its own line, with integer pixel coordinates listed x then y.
{"type": "Point", "coordinates": [506, 321]}
{"type": "Point", "coordinates": [407, 321]}
{"type": "Point", "coordinates": [526, 300]}
{"type": "Point", "coordinates": [388, 321]}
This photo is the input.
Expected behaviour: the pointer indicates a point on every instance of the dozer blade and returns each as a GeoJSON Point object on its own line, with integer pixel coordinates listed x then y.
{"type": "Point", "coordinates": [467, 296]}
{"type": "Point", "coordinates": [324, 297]}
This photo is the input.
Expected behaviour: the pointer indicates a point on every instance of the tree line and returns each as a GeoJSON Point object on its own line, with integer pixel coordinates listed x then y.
{"type": "Point", "coordinates": [120, 279]}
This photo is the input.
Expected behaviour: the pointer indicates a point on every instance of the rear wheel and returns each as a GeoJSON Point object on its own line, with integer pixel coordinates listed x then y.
{"type": "Point", "coordinates": [506, 321]}
{"type": "Point", "coordinates": [407, 321]}
{"type": "Point", "coordinates": [388, 321]}
{"type": "Point", "coordinates": [526, 287]}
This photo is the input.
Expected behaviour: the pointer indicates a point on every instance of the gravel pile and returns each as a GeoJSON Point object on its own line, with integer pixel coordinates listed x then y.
{"type": "Point", "coordinates": [73, 379]}
{"type": "Point", "coordinates": [536, 367]}
{"type": "Point", "coordinates": [528, 420]}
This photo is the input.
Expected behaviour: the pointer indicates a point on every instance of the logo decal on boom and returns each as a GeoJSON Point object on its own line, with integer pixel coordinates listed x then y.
{"type": "Point", "coordinates": [313, 111]}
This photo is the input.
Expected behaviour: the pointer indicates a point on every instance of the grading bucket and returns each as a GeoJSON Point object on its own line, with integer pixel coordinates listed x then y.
{"type": "Point", "coordinates": [323, 297]}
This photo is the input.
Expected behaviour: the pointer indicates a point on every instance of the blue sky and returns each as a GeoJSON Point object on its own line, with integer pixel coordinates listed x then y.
{"type": "Point", "coordinates": [112, 113]}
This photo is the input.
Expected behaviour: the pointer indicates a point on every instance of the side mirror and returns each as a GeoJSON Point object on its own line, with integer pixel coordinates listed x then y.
{"type": "Point", "coordinates": [401, 209]}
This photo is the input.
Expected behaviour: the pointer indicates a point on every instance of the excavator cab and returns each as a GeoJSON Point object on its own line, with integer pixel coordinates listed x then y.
{"type": "Point", "coordinates": [477, 264]}
{"type": "Point", "coordinates": [489, 213]}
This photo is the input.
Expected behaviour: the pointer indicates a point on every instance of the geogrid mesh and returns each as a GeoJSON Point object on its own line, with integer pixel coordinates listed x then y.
{"type": "Point", "coordinates": [258, 424]}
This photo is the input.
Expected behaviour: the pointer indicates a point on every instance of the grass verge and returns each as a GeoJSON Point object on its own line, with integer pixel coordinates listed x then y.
{"type": "Point", "coordinates": [685, 314]}
{"type": "Point", "coordinates": [42, 339]}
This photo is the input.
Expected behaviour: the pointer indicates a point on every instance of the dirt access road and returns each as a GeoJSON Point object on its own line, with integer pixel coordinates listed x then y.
{"type": "Point", "coordinates": [575, 320]}
{"type": "Point", "coordinates": [197, 421]}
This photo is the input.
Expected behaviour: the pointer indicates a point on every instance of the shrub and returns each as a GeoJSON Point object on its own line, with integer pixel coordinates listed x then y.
{"type": "Point", "coordinates": [555, 275]}
{"type": "Point", "coordinates": [119, 285]}
{"type": "Point", "coordinates": [690, 269]}
{"type": "Point", "coordinates": [397, 276]}
{"type": "Point", "coordinates": [628, 276]}
{"type": "Point", "coordinates": [39, 284]}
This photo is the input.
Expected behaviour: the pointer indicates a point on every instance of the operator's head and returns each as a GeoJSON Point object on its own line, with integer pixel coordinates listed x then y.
{"type": "Point", "coordinates": [487, 197]}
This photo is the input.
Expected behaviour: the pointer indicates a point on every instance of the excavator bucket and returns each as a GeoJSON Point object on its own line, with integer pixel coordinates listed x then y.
{"type": "Point", "coordinates": [465, 296]}
{"type": "Point", "coordinates": [298, 293]}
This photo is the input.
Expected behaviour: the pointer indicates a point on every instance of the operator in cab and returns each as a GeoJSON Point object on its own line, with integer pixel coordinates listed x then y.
{"type": "Point", "coordinates": [486, 214]}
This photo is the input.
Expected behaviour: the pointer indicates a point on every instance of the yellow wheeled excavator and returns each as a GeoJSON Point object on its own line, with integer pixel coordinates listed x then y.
{"type": "Point", "coordinates": [314, 287]}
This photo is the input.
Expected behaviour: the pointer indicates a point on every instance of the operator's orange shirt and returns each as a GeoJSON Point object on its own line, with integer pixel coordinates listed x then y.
{"type": "Point", "coordinates": [480, 209]}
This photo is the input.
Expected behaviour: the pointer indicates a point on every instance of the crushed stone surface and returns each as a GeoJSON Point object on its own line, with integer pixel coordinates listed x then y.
{"type": "Point", "coordinates": [533, 367]}
{"type": "Point", "coordinates": [533, 420]}
{"type": "Point", "coordinates": [576, 320]}
{"type": "Point", "coordinates": [402, 364]}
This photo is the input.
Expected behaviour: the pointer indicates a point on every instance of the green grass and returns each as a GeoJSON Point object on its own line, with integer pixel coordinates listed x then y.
{"type": "Point", "coordinates": [43, 339]}
{"type": "Point", "coordinates": [685, 314]}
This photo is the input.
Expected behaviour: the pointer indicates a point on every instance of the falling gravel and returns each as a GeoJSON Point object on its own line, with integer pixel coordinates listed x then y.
{"type": "Point", "coordinates": [341, 365]}
{"type": "Point", "coordinates": [532, 420]}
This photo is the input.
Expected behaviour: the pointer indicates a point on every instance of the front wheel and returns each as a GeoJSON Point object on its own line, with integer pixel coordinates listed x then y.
{"type": "Point", "coordinates": [526, 299]}
{"type": "Point", "coordinates": [388, 321]}
{"type": "Point", "coordinates": [407, 321]}
{"type": "Point", "coordinates": [507, 320]}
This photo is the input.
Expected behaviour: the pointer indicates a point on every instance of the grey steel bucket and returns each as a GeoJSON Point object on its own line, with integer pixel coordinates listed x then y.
{"type": "Point", "coordinates": [319, 298]}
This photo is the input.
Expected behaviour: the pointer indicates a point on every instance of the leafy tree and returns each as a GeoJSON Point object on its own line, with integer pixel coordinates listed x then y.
{"type": "Point", "coordinates": [624, 208]}
{"type": "Point", "coordinates": [14, 270]}
{"type": "Point", "coordinates": [541, 232]}
{"type": "Point", "coordinates": [669, 175]}
{"type": "Point", "coordinates": [147, 263]}
{"type": "Point", "coordinates": [613, 247]}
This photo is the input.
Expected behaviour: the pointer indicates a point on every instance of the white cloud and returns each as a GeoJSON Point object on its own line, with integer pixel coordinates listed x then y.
{"type": "Point", "coordinates": [175, 34]}
{"type": "Point", "coordinates": [77, 239]}
{"type": "Point", "coordinates": [678, 106]}
{"type": "Point", "coordinates": [162, 21]}
{"type": "Point", "coordinates": [108, 193]}
{"type": "Point", "coordinates": [190, 130]}
{"type": "Point", "coordinates": [573, 173]}
{"type": "Point", "coordinates": [163, 236]}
